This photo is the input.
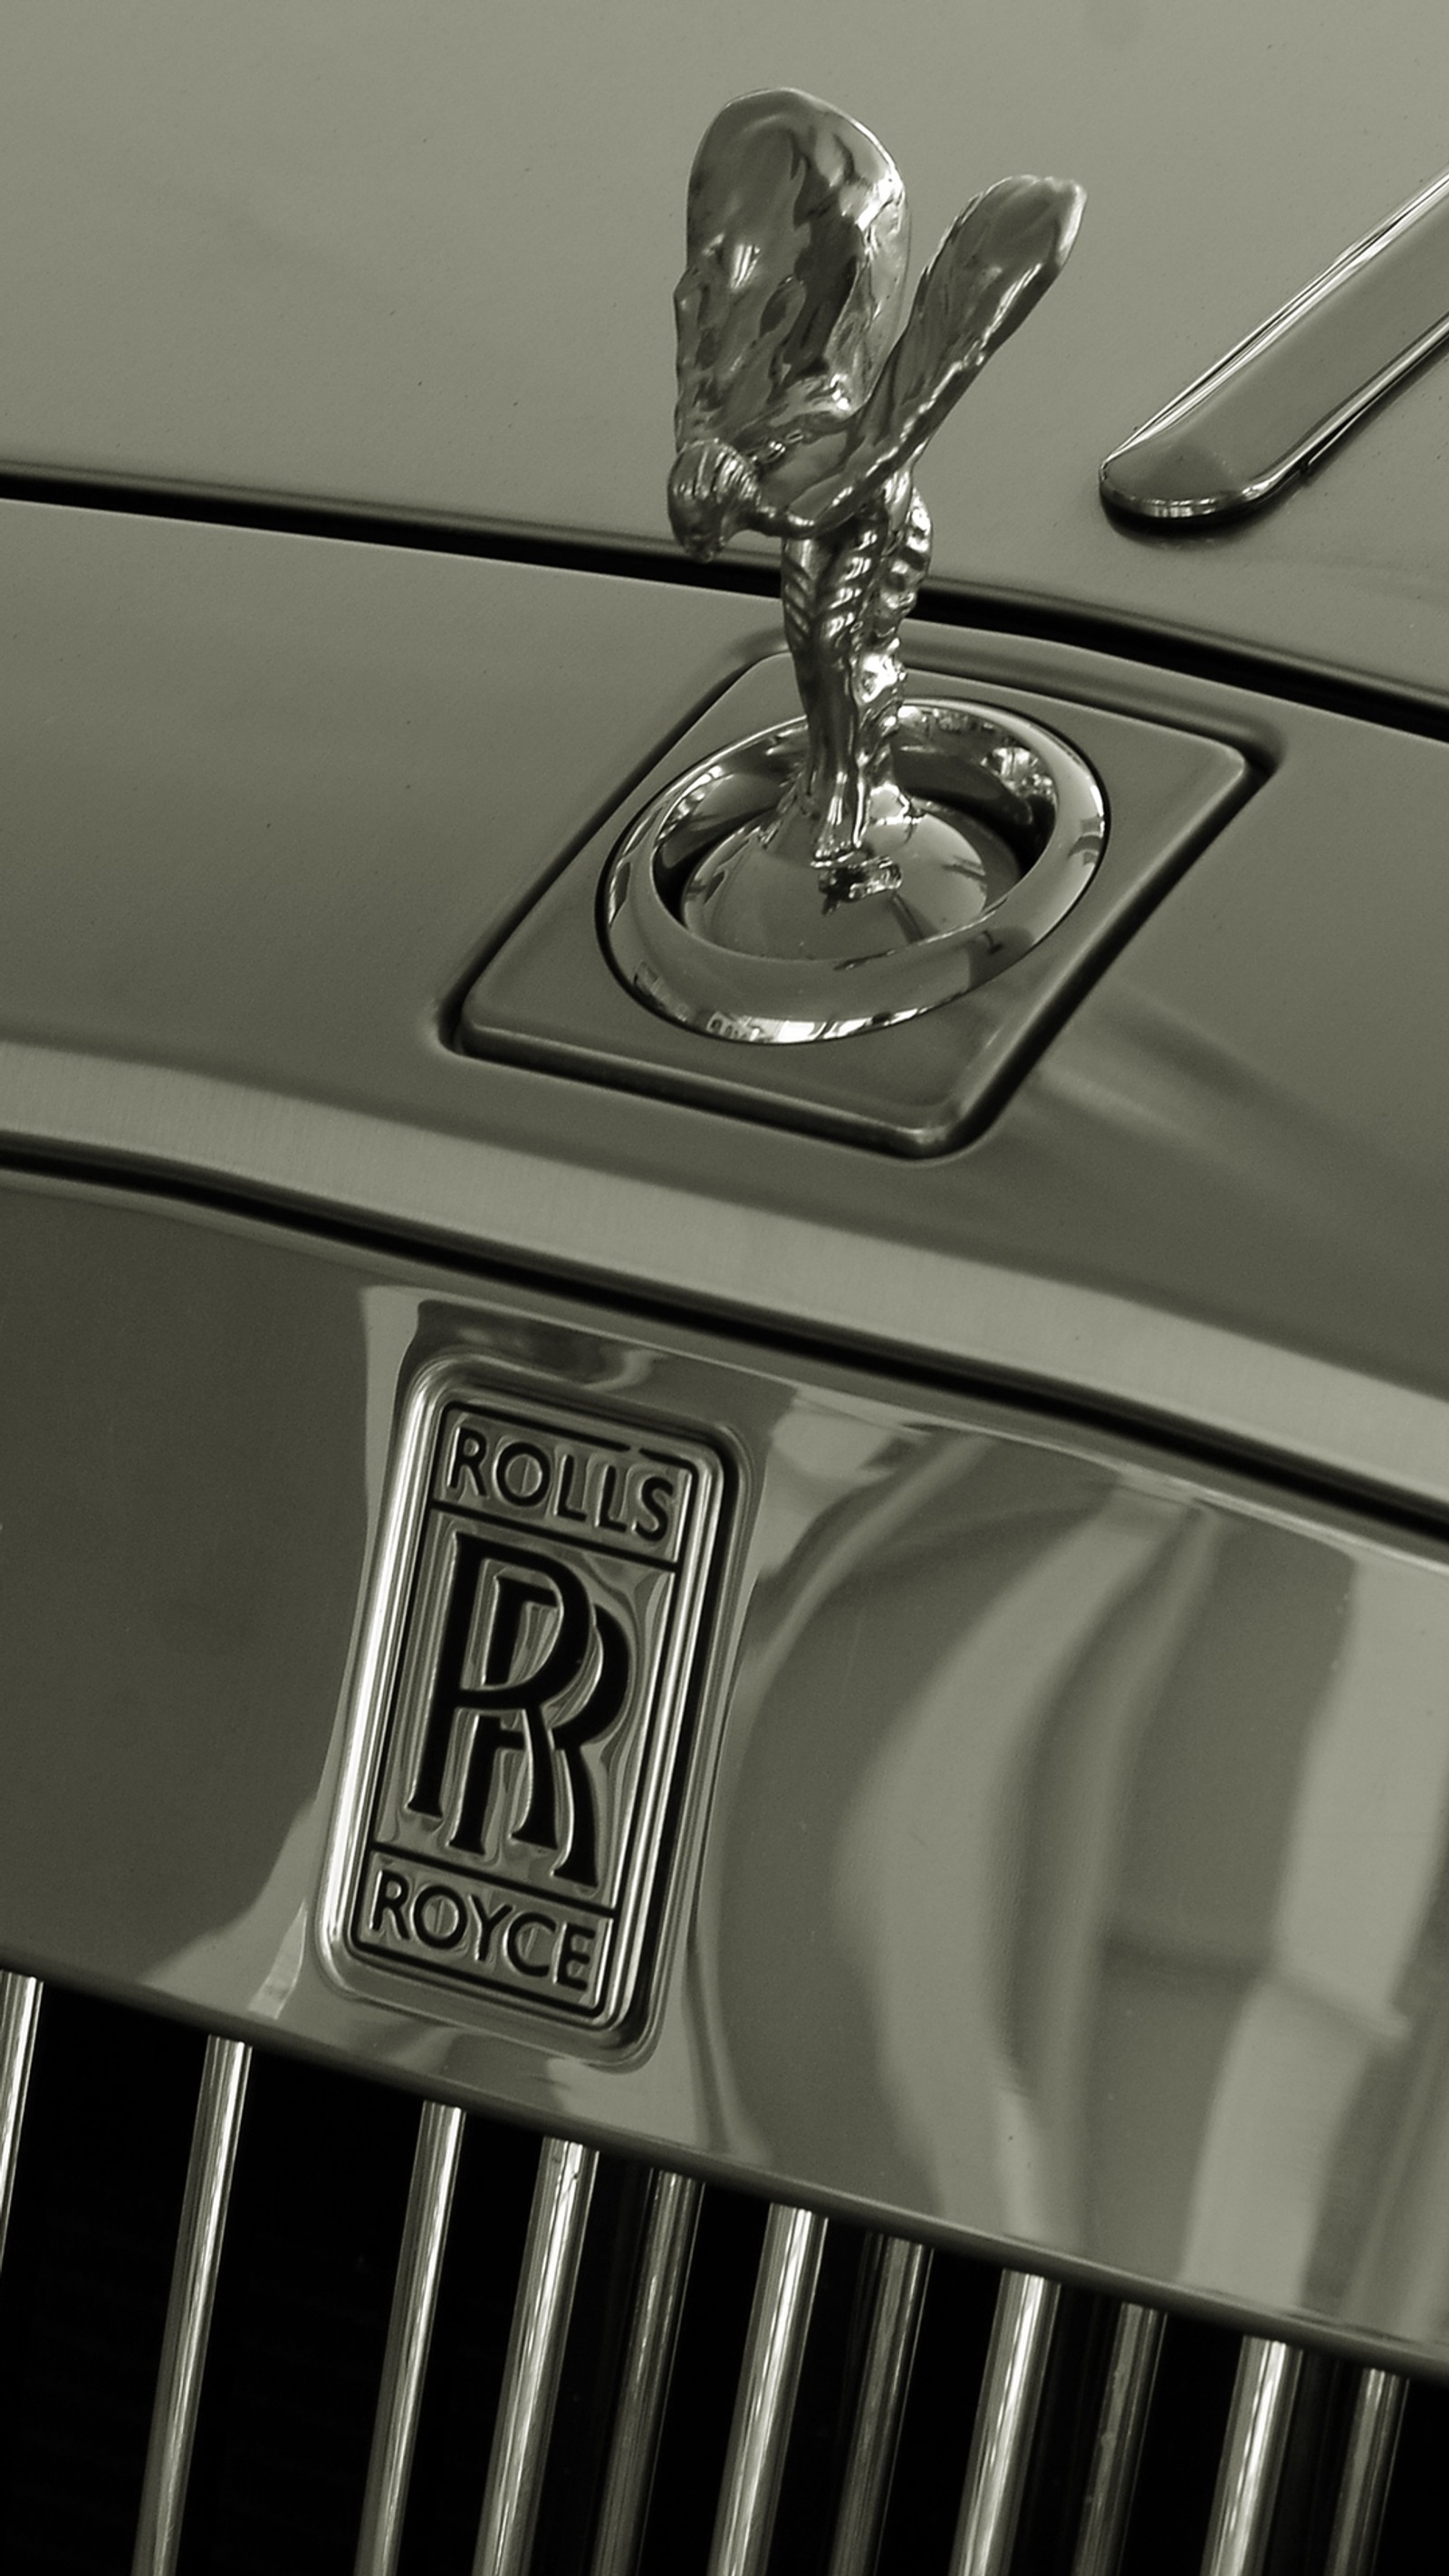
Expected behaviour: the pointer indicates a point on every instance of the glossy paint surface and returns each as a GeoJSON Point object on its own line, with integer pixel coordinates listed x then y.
{"type": "Point", "coordinates": [1065, 1852]}
{"type": "Point", "coordinates": [1305, 377]}
{"type": "Point", "coordinates": [270, 798]}
{"type": "Point", "coordinates": [420, 257]}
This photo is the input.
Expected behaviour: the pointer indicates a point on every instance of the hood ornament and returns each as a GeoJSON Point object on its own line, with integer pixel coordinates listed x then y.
{"type": "Point", "coordinates": [860, 866]}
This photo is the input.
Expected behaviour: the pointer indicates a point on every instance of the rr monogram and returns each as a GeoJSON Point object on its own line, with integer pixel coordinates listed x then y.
{"type": "Point", "coordinates": [546, 1685]}
{"type": "Point", "coordinates": [530, 1710]}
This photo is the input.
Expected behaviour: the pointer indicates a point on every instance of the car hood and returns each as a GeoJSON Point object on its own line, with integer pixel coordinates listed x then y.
{"type": "Point", "coordinates": [420, 261]}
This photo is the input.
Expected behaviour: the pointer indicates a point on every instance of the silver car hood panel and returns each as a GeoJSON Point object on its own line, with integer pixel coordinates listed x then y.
{"type": "Point", "coordinates": [270, 798]}
{"type": "Point", "coordinates": [1062, 1855]}
{"type": "Point", "coordinates": [395, 260]}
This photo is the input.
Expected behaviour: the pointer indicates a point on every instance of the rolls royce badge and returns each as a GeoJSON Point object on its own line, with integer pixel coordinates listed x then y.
{"type": "Point", "coordinates": [525, 1713]}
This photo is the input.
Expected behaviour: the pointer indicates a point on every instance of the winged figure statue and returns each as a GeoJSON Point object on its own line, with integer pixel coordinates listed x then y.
{"type": "Point", "coordinates": [802, 414]}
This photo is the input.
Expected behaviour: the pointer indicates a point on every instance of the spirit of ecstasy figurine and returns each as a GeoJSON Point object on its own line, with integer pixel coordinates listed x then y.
{"type": "Point", "coordinates": [802, 415]}
{"type": "Point", "coordinates": [884, 855]}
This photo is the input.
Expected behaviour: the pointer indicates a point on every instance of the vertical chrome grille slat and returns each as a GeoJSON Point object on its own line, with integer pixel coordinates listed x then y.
{"type": "Point", "coordinates": [769, 2377]}
{"type": "Point", "coordinates": [1021, 2333]}
{"type": "Point", "coordinates": [1131, 2372]}
{"type": "Point", "coordinates": [1372, 2441]}
{"type": "Point", "coordinates": [663, 2270]}
{"type": "Point", "coordinates": [409, 2333]}
{"type": "Point", "coordinates": [19, 2014]}
{"type": "Point", "coordinates": [1252, 2460]}
{"type": "Point", "coordinates": [902, 2271]}
{"type": "Point", "coordinates": [214, 2138]}
{"type": "Point", "coordinates": [535, 2357]}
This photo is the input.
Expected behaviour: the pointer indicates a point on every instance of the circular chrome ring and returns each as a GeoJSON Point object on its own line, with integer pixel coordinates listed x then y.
{"type": "Point", "coordinates": [949, 751]}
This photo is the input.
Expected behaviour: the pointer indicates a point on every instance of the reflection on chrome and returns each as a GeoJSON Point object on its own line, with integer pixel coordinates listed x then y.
{"type": "Point", "coordinates": [1137, 1794]}
{"type": "Point", "coordinates": [803, 416]}
{"type": "Point", "coordinates": [1297, 383]}
{"type": "Point", "coordinates": [535, 2357]}
{"type": "Point", "coordinates": [409, 2334]}
{"type": "Point", "coordinates": [1131, 2374]}
{"type": "Point", "coordinates": [1006, 2416]}
{"type": "Point", "coordinates": [774, 2350]}
{"type": "Point", "coordinates": [663, 2271]}
{"type": "Point", "coordinates": [1372, 2441]}
{"type": "Point", "coordinates": [897, 2293]}
{"type": "Point", "coordinates": [1252, 2460]}
{"type": "Point", "coordinates": [19, 2013]}
{"type": "Point", "coordinates": [852, 890]}
{"type": "Point", "coordinates": [219, 2107]}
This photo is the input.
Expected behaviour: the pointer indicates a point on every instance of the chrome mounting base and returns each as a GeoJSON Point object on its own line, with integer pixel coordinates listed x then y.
{"type": "Point", "coordinates": [719, 916]}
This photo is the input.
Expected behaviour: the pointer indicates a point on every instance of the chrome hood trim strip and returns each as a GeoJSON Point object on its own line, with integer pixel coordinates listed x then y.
{"type": "Point", "coordinates": [1307, 375]}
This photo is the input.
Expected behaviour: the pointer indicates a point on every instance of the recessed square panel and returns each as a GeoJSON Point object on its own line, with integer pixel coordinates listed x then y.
{"type": "Point", "coordinates": [549, 997]}
{"type": "Point", "coordinates": [525, 1711]}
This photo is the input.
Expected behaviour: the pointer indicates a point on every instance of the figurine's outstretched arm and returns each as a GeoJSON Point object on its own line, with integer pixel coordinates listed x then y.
{"type": "Point", "coordinates": [996, 262]}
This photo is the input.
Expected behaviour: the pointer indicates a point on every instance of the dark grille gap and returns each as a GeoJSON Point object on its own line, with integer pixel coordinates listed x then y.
{"type": "Point", "coordinates": [1183, 2446]}
{"type": "Point", "coordinates": [1066, 2433]}
{"type": "Point", "coordinates": [940, 2411]}
{"type": "Point", "coordinates": [701, 2401]}
{"type": "Point", "coordinates": [1412, 2542]}
{"type": "Point", "coordinates": [102, 2170]}
{"type": "Point", "coordinates": [824, 2408]}
{"type": "Point", "coordinates": [470, 2343]}
{"type": "Point", "coordinates": [300, 2324]}
{"type": "Point", "coordinates": [593, 2367]}
{"type": "Point", "coordinates": [1308, 2483]}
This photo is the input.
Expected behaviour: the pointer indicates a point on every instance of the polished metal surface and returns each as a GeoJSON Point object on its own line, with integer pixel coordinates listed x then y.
{"type": "Point", "coordinates": [19, 2014]}
{"type": "Point", "coordinates": [1252, 2460]}
{"type": "Point", "coordinates": [542, 2309]}
{"type": "Point", "coordinates": [705, 944]}
{"type": "Point", "coordinates": [1304, 378]}
{"type": "Point", "coordinates": [1131, 2374]}
{"type": "Point", "coordinates": [521, 1712]}
{"type": "Point", "coordinates": [409, 2333]}
{"type": "Point", "coordinates": [219, 2108]}
{"type": "Point", "coordinates": [898, 2290]}
{"type": "Point", "coordinates": [663, 2272]}
{"type": "Point", "coordinates": [1006, 2414]}
{"type": "Point", "coordinates": [1158, 1222]}
{"type": "Point", "coordinates": [547, 1000]}
{"type": "Point", "coordinates": [802, 417]}
{"type": "Point", "coordinates": [1066, 1774]}
{"type": "Point", "coordinates": [1367, 2468]}
{"type": "Point", "coordinates": [769, 2377]}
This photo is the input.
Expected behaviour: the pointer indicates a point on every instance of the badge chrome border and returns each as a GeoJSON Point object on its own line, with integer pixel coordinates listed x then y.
{"type": "Point", "coordinates": [668, 1716]}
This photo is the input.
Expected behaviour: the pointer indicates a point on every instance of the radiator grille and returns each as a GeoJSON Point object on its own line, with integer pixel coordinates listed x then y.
{"type": "Point", "coordinates": [257, 2316]}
